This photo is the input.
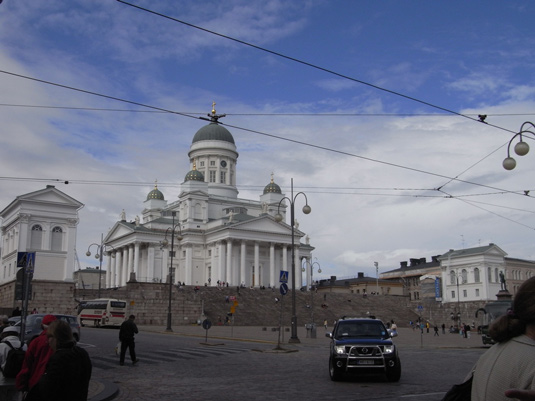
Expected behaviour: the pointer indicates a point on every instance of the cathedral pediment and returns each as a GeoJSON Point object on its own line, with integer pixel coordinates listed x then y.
{"type": "Point", "coordinates": [119, 230]}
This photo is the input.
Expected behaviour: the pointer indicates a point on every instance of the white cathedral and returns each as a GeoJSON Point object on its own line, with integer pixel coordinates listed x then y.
{"type": "Point", "coordinates": [219, 238]}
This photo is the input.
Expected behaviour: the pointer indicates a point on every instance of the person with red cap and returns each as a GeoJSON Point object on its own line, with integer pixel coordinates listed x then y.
{"type": "Point", "coordinates": [36, 358]}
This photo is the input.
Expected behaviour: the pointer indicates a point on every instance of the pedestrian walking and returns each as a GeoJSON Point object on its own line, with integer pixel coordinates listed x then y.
{"type": "Point", "coordinates": [325, 324]}
{"type": "Point", "coordinates": [443, 328]}
{"type": "Point", "coordinates": [126, 335]}
{"type": "Point", "coordinates": [436, 330]}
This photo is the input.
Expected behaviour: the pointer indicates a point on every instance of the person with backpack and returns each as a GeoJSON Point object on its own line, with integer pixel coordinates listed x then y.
{"type": "Point", "coordinates": [10, 341]}
{"type": "Point", "coordinates": [36, 358]}
{"type": "Point", "coordinates": [11, 358]}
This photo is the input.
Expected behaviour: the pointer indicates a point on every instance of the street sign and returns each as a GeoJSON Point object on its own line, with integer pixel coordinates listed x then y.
{"type": "Point", "coordinates": [283, 278]}
{"type": "Point", "coordinates": [283, 288]}
{"type": "Point", "coordinates": [206, 324]}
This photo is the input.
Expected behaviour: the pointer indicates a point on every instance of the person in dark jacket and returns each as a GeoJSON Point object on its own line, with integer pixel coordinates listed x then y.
{"type": "Point", "coordinates": [68, 371]}
{"type": "Point", "coordinates": [126, 336]}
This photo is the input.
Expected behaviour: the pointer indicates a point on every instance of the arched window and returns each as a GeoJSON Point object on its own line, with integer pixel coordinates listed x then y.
{"type": "Point", "coordinates": [489, 274]}
{"type": "Point", "coordinates": [464, 275]}
{"type": "Point", "coordinates": [452, 278]}
{"type": "Point", "coordinates": [496, 275]}
{"type": "Point", "coordinates": [57, 239]}
{"type": "Point", "coordinates": [37, 237]}
{"type": "Point", "coordinates": [476, 275]}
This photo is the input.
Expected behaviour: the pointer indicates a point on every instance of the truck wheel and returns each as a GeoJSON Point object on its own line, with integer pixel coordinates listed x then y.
{"type": "Point", "coordinates": [394, 374]}
{"type": "Point", "coordinates": [335, 373]}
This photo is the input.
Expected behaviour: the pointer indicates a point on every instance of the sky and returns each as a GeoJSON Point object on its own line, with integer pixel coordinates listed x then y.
{"type": "Point", "coordinates": [370, 107]}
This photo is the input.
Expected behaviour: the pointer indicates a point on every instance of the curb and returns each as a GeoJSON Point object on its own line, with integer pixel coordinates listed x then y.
{"type": "Point", "coordinates": [106, 390]}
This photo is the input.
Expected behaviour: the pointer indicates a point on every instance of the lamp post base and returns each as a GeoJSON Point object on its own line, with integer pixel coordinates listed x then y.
{"type": "Point", "coordinates": [168, 328]}
{"type": "Point", "coordinates": [294, 339]}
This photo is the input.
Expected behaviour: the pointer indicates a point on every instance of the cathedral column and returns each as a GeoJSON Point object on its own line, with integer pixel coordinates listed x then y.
{"type": "Point", "coordinates": [150, 263]}
{"type": "Point", "coordinates": [257, 264]}
{"type": "Point", "coordinates": [124, 268]}
{"type": "Point", "coordinates": [298, 272]}
{"type": "Point", "coordinates": [118, 268]}
{"type": "Point", "coordinates": [109, 271]}
{"type": "Point", "coordinates": [165, 265]}
{"type": "Point", "coordinates": [222, 262]}
{"type": "Point", "coordinates": [243, 254]}
{"type": "Point", "coordinates": [214, 265]}
{"type": "Point", "coordinates": [130, 269]}
{"type": "Point", "coordinates": [189, 265]}
{"type": "Point", "coordinates": [136, 262]}
{"type": "Point", "coordinates": [285, 257]}
{"type": "Point", "coordinates": [272, 264]}
{"type": "Point", "coordinates": [229, 263]}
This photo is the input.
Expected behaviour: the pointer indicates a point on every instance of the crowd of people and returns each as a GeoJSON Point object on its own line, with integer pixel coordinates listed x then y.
{"type": "Point", "coordinates": [54, 367]}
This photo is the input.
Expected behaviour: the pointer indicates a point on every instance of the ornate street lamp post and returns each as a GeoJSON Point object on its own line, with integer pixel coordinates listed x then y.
{"type": "Point", "coordinates": [278, 217]}
{"type": "Point", "coordinates": [101, 251]}
{"type": "Point", "coordinates": [312, 285]}
{"type": "Point", "coordinates": [164, 244]}
{"type": "Point", "coordinates": [521, 148]}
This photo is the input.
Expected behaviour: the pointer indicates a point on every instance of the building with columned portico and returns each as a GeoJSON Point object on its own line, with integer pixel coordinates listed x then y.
{"type": "Point", "coordinates": [220, 239]}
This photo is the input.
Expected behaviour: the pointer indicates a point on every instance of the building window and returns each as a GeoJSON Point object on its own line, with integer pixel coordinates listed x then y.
{"type": "Point", "coordinates": [477, 292]}
{"type": "Point", "coordinates": [476, 275]}
{"type": "Point", "coordinates": [57, 239]}
{"type": "Point", "coordinates": [212, 175]}
{"type": "Point", "coordinates": [453, 295]}
{"type": "Point", "coordinates": [36, 236]}
{"type": "Point", "coordinates": [223, 177]}
{"type": "Point", "coordinates": [489, 273]}
{"type": "Point", "coordinates": [465, 293]}
{"type": "Point", "coordinates": [201, 164]}
{"type": "Point", "coordinates": [464, 275]}
{"type": "Point", "coordinates": [212, 163]}
{"type": "Point", "coordinates": [496, 274]}
{"type": "Point", "coordinates": [452, 277]}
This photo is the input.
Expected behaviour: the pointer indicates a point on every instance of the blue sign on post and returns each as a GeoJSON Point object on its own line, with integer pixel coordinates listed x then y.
{"type": "Point", "coordinates": [283, 278]}
{"type": "Point", "coordinates": [283, 289]}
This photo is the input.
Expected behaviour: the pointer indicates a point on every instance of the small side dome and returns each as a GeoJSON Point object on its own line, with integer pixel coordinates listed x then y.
{"type": "Point", "coordinates": [155, 193]}
{"type": "Point", "coordinates": [272, 187]}
{"type": "Point", "coordinates": [194, 175]}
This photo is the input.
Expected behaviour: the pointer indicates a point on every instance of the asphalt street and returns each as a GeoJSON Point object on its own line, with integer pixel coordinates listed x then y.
{"type": "Point", "coordinates": [244, 363]}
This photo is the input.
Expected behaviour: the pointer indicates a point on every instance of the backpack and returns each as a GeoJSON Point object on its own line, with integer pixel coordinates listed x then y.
{"type": "Point", "coordinates": [14, 360]}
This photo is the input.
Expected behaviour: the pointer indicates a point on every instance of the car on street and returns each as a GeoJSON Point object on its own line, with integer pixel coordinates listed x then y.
{"type": "Point", "coordinates": [362, 346]}
{"type": "Point", "coordinates": [33, 325]}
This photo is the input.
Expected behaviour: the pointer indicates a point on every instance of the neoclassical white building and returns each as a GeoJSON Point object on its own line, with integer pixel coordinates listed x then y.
{"type": "Point", "coordinates": [43, 222]}
{"type": "Point", "coordinates": [219, 237]}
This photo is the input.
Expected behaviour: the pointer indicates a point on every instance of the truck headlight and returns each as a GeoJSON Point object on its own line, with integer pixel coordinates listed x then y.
{"type": "Point", "coordinates": [388, 349]}
{"type": "Point", "coordinates": [340, 349]}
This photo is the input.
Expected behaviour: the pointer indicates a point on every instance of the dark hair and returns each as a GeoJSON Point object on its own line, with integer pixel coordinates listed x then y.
{"type": "Point", "coordinates": [61, 331]}
{"type": "Point", "coordinates": [131, 317]}
{"type": "Point", "coordinates": [514, 322]}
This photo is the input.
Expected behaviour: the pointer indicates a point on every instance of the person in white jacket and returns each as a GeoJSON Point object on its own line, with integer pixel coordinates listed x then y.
{"type": "Point", "coordinates": [10, 334]}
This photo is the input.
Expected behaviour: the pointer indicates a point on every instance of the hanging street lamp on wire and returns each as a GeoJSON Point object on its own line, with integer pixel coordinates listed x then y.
{"type": "Point", "coordinates": [521, 148]}
{"type": "Point", "coordinates": [278, 217]}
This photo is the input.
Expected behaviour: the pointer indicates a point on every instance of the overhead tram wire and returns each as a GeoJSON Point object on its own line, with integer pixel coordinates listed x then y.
{"type": "Point", "coordinates": [255, 131]}
{"type": "Point", "coordinates": [470, 203]}
{"type": "Point", "coordinates": [196, 113]}
{"type": "Point", "coordinates": [308, 64]}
